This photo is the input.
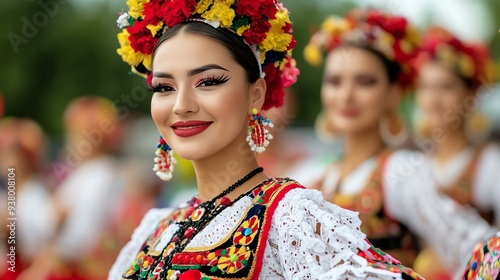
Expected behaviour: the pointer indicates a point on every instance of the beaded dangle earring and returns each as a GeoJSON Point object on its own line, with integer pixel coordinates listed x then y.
{"type": "Point", "coordinates": [164, 160]}
{"type": "Point", "coordinates": [258, 136]}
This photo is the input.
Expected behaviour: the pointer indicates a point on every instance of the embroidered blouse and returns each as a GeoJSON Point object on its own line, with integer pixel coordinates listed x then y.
{"type": "Point", "coordinates": [409, 196]}
{"type": "Point", "coordinates": [381, 229]}
{"type": "Point", "coordinates": [279, 230]}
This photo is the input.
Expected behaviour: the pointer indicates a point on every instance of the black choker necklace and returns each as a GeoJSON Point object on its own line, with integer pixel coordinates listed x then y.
{"type": "Point", "coordinates": [202, 214]}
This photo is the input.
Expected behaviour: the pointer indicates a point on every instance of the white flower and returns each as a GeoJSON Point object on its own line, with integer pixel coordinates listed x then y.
{"type": "Point", "coordinates": [122, 20]}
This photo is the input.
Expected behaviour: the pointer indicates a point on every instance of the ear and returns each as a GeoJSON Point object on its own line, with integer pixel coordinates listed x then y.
{"type": "Point", "coordinates": [395, 94]}
{"type": "Point", "coordinates": [257, 94]}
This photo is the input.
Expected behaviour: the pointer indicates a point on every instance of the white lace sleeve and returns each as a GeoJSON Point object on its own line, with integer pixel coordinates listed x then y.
{"type": "Point", "coordinates": [411, 198]}
{"type": "Point", "coordinates": [128, 253]}
{"type": "Point", "coordinates": [310, 238]}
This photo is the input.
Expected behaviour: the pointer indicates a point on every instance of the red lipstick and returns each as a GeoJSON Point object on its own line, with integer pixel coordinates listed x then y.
{"type": "Point", "coordinates": [349, 113]}
{"type": "Point", "coordinates": [189, 128]}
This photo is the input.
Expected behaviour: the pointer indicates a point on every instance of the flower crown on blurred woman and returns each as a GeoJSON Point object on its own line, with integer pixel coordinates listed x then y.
{"type": "Point", "coordinates": [391, 35]}
{"type": "Point", "coordinates": [471, 61]}
{"type": "Point", "coordinates": [264, 25]}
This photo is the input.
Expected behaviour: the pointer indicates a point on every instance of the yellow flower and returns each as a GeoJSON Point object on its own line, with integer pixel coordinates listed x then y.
{"type": "Point", "coordinates": [413, 36]}
{"type": "Point", "coordinates": [155, 28]}
{"type": "Point", "coordinates": [276, 42]}
{"type": "Point", "coordinates": [147, 61]}
{"type": "Point", "coordinates": [335, 25]}
{"type": "Point", "coordinates": [128, 54]}
{"type": "Point", "coordinates": [222, 12]}
{"type": "Point", "coordinates": [313, 55]}
{"type": "Point", "coordinates": [446, 54]}
{"type": "Point", "coordinates": [202, 6]}
{"type": "Point", "coordinates": [242, 29]}
{"type": "Point", "coordinates": [466, 65]}
{"type": "Point", "coordinates": [136, 7]}
{"type": "Point", "coordinates": [277, 39]}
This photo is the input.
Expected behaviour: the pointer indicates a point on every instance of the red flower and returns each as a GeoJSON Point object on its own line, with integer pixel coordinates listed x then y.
{"type": "Point", "coordinates": [395, 25]}
{"type": "Point", "coordinates": [254, 9]}
{"type": "Point", "coordinates": [257, 33]}
{"type": "Point", "coordinates": [274, 96]}
{"type": "Point", "coordinates": [150, 13]}
{"type": "Point", "coordinates": [140, 38]}
{"type": "Point", "coordinates": [190, 275]}
{"type": "Point", "coordinates": [174, 12]}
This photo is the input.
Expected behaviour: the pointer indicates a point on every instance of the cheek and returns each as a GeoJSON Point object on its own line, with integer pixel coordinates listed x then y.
{"type": "Point", "coordinates": [372, 102]}
{"type": "Point", "coordinates": [161, 108]}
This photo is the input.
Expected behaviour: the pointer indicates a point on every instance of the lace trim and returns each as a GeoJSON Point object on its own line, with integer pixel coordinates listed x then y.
{"type": "Point", "coordinates": [313, 239]}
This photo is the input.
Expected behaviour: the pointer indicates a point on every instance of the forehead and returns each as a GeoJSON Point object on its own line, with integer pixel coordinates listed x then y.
{"type": "Point", "coordinates": [352, 60]}
{"type": "Point", "coordinates": [188, 51]}
{"type": "Point", "coordinates": [435, 70]}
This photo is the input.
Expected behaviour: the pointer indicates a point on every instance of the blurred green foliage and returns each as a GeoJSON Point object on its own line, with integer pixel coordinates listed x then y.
{"type": "Point", "coordinates": [71, 52]}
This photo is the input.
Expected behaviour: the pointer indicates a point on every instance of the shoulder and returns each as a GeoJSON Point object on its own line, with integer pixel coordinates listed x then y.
{"type": "Point", "coordinates": [300, 207]}
{"type": "Point", "coordinates": [141, 233]}
{"type": "Point", "coordinates": [406, 166]}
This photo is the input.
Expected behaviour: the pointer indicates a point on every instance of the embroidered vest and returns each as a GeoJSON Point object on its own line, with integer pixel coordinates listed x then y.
{"type": "Point", "coordinates": [382, 231]}
{"type": "Point", "coordinates": [461, 190]}
{"type": "Point", "coordinates": [239, 255]}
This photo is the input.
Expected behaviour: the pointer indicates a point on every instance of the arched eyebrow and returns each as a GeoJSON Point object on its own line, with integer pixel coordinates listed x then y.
{"type": "Point", "coordinates": [191, 72]}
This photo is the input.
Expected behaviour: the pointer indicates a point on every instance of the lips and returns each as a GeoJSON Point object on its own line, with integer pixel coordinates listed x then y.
{"type": "Point", "coordinates": [189, 128]}
{"type": "Point", "coordinates": [349, 113]}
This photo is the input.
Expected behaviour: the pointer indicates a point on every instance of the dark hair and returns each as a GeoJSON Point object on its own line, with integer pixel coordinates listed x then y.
{"type": "Point", "coordinates": [392, 68]}
{"type": "Point", "coordinates": [234, 44]}
{"type": "Point", "coordinates": [468, 82]}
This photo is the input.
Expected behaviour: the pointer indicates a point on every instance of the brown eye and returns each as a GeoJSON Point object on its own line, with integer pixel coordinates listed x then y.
{"type": "Point", "coordinates": [161, 88]}
{"type": "Point", "coordinates": [367, 81]}
{"type": "Point", "coordinates": [333, 80]}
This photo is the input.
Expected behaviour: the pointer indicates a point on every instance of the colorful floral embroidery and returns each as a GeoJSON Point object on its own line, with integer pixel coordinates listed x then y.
{"type": "Point", "coordinates": [485, 261]}
{"type": "Point", "coordinates": [233, 259]}
{"type": "Point", "coordinates": [247, 231]}
{"type": "Point", "coordinates": [378, 259]}
{"type": "Point", "coordinates": [235, 256]}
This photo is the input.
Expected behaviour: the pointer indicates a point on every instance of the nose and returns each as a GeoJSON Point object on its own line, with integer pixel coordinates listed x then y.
{"type": "Point", "coordinates": [345, 92]}
{"type": "Point", "coordinates": [185, 102]}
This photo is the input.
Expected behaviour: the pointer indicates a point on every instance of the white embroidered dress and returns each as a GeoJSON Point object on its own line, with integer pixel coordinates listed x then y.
{"type": "Point", "coordinates": [294, 250]}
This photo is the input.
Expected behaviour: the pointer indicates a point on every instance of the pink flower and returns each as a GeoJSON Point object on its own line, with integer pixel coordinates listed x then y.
{"type": "Point", "coordinates": [290, 73]}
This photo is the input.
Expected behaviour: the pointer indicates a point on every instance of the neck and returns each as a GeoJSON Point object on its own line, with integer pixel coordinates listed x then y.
{"type": "Point", "coordinates": [216, 173]}
{"type": "Point", "coordinates": [359, 147]}
{"type": "Point", "coordinates": [456, 141]}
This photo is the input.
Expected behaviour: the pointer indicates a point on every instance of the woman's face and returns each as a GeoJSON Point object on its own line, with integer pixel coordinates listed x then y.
{"type": "Point", "coordinates": [202, 98]}
{"type": "Point", "coordinates": [356, 92]}
{"type": "Point", "coordinates": [440, 93]}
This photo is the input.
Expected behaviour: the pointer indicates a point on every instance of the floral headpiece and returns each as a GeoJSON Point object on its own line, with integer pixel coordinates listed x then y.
{"type": "Point", "coordinates": [391, 35]}
{"type": "Point", "coordinates": [264, 25]}
{"type": "Point", "coordinates": [471, 61]}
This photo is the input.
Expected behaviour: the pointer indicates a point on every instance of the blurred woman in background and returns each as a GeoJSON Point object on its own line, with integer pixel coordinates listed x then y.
{"type": "Point", "coordinates": [22, 147]}
{"type": "Point", "coordinates": [84, 245]}
{"type": "Point", "coordinates": [366, 73]}
{"type": "Point", "coordinates": [452, 132]}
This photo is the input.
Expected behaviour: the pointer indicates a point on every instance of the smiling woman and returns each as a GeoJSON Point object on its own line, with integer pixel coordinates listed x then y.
{"type": "Point", "coordinates": [212, 67]}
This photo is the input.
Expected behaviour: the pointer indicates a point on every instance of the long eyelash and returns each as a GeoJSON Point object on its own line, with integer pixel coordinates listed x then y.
{"type": "Point", "coordinates": [218, 79]}
{"type": "Point", "coordinates": [156, 87]}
